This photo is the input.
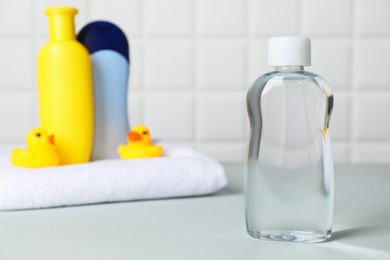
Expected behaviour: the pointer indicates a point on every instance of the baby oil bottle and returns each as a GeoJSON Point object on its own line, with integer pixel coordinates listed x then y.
{"type": "Point", "coordinates": [65, 88]}
{"type": "Point", "coordinates": [289, 191]}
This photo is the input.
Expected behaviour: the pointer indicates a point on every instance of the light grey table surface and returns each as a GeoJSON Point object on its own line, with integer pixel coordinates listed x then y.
{"type": "Point", "coordinates": [209, 227]}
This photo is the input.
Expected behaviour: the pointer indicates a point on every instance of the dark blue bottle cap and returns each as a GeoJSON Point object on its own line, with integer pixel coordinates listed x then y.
{"type": "Point", "coordinates": [102, 35]}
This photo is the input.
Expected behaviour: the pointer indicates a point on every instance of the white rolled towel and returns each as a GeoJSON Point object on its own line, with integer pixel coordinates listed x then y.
{"type": "Point", "coordinates": [179, 172]}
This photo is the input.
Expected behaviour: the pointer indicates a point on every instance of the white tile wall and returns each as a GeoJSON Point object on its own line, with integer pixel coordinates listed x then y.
{"type": "Point", "coordinates": [221, 117]}
{"type": "Point", "coordinates": [16, 115]}
{"type": "Point", "coordinates": [220, 64]}
{"type": "Point", "coordinates": [170, 115]}
{"type": "Point", "coordinates": [15, 63]}
{"type": "Point", "coordinates": [371, 109]}
{"type": "Point", "coordinates": [220, 17]}
{"type": "Point", "coordinates": [372, 17]}
{"type": "Point", "coordinates": [168, 64]}
{"type": "Point", "coordinates": [316, 16]}
{"type": "Point", "coordinates": [372, 55]}
{"type": "Point", "coordinates": [168, 17]}
{"type": "Point", "coordinates": [20, 18]}
{"type": "Point", "coordinates": [371, 152]}
{"type": "Point", "coordinates": [334, 64]}
{"type": "Point", "coordinates": [193, 61]}
{"type": "Point", "coordinates": [273, 17]}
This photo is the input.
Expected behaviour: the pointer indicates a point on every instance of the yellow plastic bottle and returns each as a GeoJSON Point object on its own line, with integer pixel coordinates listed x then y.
{"type": "Point", "coordinates": [65, 88]}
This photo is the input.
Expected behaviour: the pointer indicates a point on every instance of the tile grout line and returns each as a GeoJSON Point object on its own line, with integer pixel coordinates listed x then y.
{"type": "Point", "coordinates": [196, 140]}
{"type": "Point", "coordinates": [248, 41]}
{"type": "Point", "coordinates": [35, 121]}
{"type": "Point", "coordinates": [143, 88]}
{"type": "Point", "coordinates": [300, 17]}
{"type": "Point", "coordinates": [352, 91]}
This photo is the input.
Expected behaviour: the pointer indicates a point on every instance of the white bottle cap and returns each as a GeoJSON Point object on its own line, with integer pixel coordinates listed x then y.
{"type": "Point", "coordinates": [289, 51]}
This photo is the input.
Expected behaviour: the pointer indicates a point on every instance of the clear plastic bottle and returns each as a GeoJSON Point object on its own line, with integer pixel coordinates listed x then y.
{"type": "Point", "coordinates": [289, 190]}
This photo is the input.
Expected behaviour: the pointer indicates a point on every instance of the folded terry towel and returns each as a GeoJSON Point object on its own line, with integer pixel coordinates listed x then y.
{"type": "Point", "coordinates": [180, 172]}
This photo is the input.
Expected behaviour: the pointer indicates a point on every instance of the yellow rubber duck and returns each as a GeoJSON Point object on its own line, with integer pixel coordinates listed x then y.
{"type": "Point", "coordinates": [40, 151]}
{"type": "Point", "coordinates": [139, 145]}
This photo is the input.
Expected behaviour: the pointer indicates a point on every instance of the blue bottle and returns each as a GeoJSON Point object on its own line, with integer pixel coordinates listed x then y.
{"type": "Point", "coordinates": [109, 51]}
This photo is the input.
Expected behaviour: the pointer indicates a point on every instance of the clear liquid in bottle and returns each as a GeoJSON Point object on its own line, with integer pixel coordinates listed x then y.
{"type": "Point", "coordinates": [289, 191]}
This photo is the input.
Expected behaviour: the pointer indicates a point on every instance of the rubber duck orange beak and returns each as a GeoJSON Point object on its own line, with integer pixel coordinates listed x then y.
{"type": "Point", "coordinates": [51, 139]}
{"type": "Point", "coordinates": [134, 136]}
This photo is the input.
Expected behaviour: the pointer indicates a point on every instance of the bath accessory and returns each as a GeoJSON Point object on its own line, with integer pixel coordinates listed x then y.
{"type": "Point", "coordinates": [289, 189]}
{"type": "Point", "coordinates": [40, 151]}
{"type": "Point", "coordinates": [180, 172]}
{"type": "Point", "coordinates": [65, 88]}
{"type": "Point", "coordinates": [140, 145]}
{"type": "Point", "coordinates": [109, 51]}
